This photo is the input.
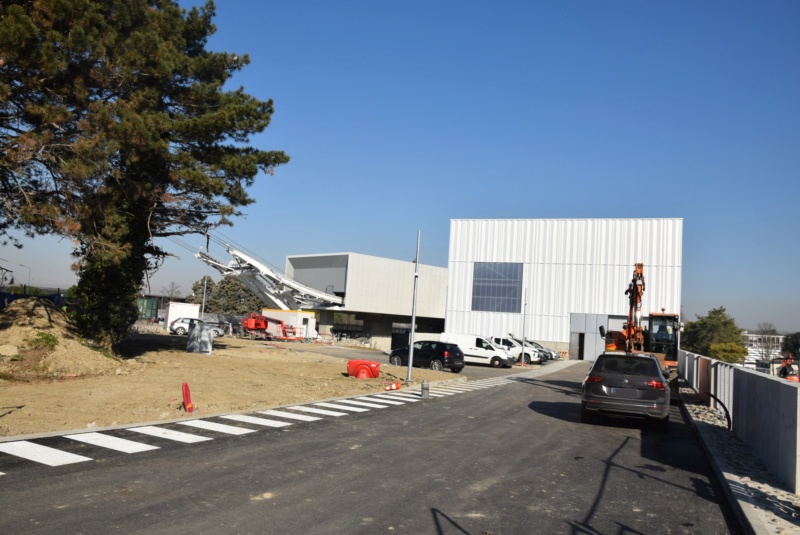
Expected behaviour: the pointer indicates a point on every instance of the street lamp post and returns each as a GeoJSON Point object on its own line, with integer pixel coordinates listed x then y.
{"type": "Point", "coordinates": [413, 314]}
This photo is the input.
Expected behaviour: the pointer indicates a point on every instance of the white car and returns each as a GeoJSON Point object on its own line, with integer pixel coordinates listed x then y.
{"type": "Point", "coordinates": [550, 353]}
{"type": "Point", "coordinates": [514, 347]}
{"type": "Point", "coordinates": [182, 326]}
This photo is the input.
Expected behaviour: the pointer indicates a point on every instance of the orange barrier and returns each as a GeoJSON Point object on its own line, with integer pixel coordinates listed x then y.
{"type": "Point", "coordinates": [363, 369]}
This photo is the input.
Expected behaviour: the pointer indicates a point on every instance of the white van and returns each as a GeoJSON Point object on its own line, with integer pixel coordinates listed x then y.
{"type": "Point", "coordinates": [514, 347]}
{"type": "Point", "coordinates": [479, 350]}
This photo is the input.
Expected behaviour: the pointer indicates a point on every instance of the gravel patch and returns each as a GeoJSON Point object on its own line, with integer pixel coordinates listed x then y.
{"type": "Point", "coordinates": [763, 499]}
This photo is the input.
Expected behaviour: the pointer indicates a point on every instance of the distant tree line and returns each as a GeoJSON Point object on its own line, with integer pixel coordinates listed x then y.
{"type": "Point", "coordinates": [716, 335]}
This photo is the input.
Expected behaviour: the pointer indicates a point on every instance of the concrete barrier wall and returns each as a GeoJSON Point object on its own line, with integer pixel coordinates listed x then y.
{"type": "Point", "coordinates": [764, 410]}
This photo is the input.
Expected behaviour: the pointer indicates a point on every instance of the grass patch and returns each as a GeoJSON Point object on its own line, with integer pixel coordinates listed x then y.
{"type": "Point", "coordinates": [43, 340]}
{"type": "Point", "coordinates": [106, 353]}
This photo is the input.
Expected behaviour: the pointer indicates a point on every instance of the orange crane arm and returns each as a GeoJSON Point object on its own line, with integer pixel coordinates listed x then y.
{"type": "Point", "coordinates": [634, 292]}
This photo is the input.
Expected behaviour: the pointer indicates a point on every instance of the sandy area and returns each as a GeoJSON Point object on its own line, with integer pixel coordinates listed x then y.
{"type": "Point", "coordinates": [66, 385]}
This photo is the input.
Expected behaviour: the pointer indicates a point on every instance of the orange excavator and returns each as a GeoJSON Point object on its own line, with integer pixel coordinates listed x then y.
{"type": "Point", "coordinates": [631, 337]}
{"type": "Point", "coordinates": [659, 338]}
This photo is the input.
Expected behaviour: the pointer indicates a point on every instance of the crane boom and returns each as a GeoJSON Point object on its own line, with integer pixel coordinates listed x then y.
{"type": "Point", "coordinates": [274, 289]}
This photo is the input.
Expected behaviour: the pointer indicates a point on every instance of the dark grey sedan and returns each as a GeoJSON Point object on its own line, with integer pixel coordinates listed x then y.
{"type": "Point", "coordinates": [436, 355]}
{"type": "Point", "coordinates": [626, 384]}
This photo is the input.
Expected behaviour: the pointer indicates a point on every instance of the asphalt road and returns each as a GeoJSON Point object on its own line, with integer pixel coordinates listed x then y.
{"type": "Point", "coordinates": [505, 459]}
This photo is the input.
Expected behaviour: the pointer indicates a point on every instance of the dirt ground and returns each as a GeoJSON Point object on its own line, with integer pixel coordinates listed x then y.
{"type": "Point", "coordinates": [50, 380]}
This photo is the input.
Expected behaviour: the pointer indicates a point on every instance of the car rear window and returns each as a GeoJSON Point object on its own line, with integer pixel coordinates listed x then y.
{"type": "Point", "coordinates": [624, 364]}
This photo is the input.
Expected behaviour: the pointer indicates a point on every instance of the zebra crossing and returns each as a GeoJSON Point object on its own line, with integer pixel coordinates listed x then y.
{"type": "Point", "coordinates": [134, 439]}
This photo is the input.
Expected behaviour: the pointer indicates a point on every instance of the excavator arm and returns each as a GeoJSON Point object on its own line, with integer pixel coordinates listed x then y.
{"type": "Point", "coordinates": [633, 329]}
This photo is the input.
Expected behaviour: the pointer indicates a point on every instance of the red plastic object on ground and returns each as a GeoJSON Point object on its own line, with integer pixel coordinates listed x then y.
{"type": "Point", "coordinates": [187, 398]}
{"type": "Point", "coordinates": [363, 369]}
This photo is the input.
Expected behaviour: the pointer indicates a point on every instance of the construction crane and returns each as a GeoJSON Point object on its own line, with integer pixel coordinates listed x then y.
{"type": "Point", "coordinates": [274, 289]}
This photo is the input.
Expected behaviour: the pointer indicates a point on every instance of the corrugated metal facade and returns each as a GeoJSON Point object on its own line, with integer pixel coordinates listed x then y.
{"type": "Point", "coordinates": [373, 284]}
{"type": "Point", "coordinates": [385, 286]}
{"type": "Point", "coordinates": [569, 265]}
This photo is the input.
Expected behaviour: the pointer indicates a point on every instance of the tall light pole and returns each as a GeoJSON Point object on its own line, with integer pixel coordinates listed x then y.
{"type": "Point", "coordinates": [29, 273]}
{"type": "Point", "coordinates": [413, 314]}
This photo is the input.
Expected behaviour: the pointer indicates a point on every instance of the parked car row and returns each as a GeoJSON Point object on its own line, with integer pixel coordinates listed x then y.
{"type": "Point", "coordinates": [526, 350]}
{"type": "Point", "coordinates": [429, 350]}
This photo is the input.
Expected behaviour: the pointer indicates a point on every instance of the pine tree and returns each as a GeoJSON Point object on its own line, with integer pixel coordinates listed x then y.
{"type": "Point", "coordinates": [115, 130]}
{"type": "Point", "coordinates": [715, 328]}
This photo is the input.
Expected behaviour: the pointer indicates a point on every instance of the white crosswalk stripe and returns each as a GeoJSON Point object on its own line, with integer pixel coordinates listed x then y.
{"type": "Point", "coordinates": [291, 415]}
{"type": "Point", "coordinates": [393, 398]}
{"type": "Point", "coordinates": [317, 411]}
{"type": "Point", "coordinates": [168, 434]}
{"type": "Point", "coordinates": [341, 407]}
{"type": "Point", "coordinates": [255, 420]}
{"type": "Point", "coordinates": [362, 403]}
{"type": "Point", "coordinates": [219, 428]}
{"type": "Point", "coordinates": [376, 399]}
{"type": "Point", "coordinates": [41, 454]}
{"type": "Point", "coordinates": [113, 443]}
{"type": "Point", "coordinates": [398, 396]}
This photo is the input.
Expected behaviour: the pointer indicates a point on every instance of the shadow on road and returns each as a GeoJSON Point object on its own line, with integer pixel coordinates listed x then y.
{"type": "Point", "coordinates": [441, 520]}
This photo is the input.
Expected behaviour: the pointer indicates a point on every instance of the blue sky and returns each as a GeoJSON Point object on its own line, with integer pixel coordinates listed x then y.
{"type": "Point", "coordinates": [400, 116]}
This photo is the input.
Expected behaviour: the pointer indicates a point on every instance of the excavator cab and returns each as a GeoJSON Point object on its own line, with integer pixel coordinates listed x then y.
{"type": "Point", "coordinates": [662, 336]}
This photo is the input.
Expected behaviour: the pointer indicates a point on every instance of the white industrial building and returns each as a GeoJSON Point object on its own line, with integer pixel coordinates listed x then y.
{"type": "Point", "coordinates": [551, 280]}
{"type": "Point", "coordinates": [378, 291]}
{"type": "Point", "coordinates": [558, 280]}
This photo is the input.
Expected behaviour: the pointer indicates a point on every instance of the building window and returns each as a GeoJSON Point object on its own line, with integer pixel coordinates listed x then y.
{"type": "Point", "coordinates": [497, 287]}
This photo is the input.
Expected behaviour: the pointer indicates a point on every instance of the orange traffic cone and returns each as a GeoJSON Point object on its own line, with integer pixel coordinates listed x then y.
{"type": "Point", "coordinates": [393, 386]}
{"type": "Point", "coordinates": [187, 398]}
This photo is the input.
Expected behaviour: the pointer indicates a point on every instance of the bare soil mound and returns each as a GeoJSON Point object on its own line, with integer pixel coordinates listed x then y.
{"type": "Point", "coordinates": [38, 342]}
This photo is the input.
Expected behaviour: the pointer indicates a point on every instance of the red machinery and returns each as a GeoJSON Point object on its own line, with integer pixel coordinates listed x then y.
{"type": "Point", "coordinates": [257, 325]}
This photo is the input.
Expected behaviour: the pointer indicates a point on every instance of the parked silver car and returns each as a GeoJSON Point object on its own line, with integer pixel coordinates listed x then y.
{"type": "Point", "coordinates": [182, 326]}
{"type": "Point", "coordinates": [626, 384]}
{"type": "Point", "coordinates": [546, 352]}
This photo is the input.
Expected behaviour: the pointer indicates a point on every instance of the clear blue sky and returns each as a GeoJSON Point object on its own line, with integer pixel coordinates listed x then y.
{"type": "Point", "coordinates": [400, 116]}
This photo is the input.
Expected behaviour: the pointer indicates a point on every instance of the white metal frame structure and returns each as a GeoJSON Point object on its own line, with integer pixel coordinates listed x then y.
{"type": "Point", "coordinates": [273, 288]}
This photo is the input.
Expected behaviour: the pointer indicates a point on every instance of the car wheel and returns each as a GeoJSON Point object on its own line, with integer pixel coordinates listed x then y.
{"type": "Point", "coordinates": [437, 365]}
{"type": "Point", "coordinates": [456, 370]}
{"type": "Point", "coordinates": [394, 360]}
{"type": "Point", "coordinates": [526, 359]}
{"type": "Point", "coordinates": [586, 416]}
{"type": "Point", "coordinates": [496, 362]}
{"type": "Point", "coordinates": [180, 330]}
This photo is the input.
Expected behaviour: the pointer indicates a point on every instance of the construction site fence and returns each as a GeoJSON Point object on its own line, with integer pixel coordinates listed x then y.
{"type": "Point", "coordinates": [764, 410]}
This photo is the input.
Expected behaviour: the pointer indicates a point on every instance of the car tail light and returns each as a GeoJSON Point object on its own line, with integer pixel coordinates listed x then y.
{"type": "Point", "coordinates": [594, 379]}
{"type": "Point", "coordinates": [446, 353]}
{"type": "Point", "coordinates": [658, 385]}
